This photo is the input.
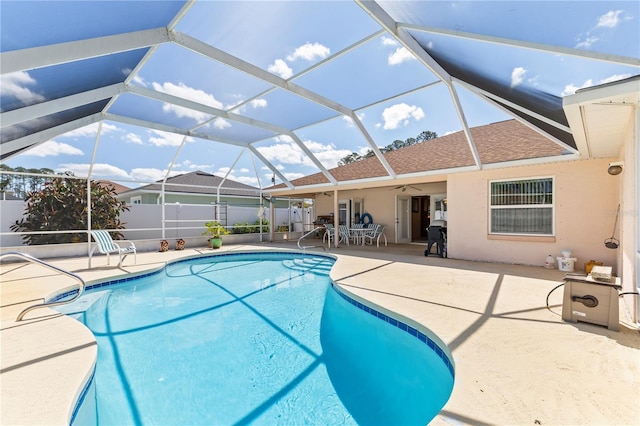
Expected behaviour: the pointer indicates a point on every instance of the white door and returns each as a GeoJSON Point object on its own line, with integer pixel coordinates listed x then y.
{"type": "Point", "coordinates": [403, 220]}
{"type": "Point", "coordinates": [344, 213]}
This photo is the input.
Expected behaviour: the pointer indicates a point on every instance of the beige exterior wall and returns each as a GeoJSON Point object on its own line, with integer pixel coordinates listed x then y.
{"type": "Point", "coordinates": [586, 199]}
{"type": "Point", "coordinates": [628, 255]}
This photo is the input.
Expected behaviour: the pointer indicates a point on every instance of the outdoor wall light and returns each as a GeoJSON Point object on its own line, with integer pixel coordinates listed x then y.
{"type": "Point", "coordinates": [615, 168]}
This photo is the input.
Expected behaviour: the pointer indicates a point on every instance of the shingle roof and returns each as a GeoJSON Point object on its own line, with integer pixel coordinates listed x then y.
{"type": "Point", "coordinates": [118, 188]}
{"type": "Point", "coordinates": [201, 183]}
{"type": "Point", "coordinates": [497, 142]}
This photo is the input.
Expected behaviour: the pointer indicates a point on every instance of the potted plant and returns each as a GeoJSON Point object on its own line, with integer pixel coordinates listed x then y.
{"type": "Point", "coordinates": [216, 231]}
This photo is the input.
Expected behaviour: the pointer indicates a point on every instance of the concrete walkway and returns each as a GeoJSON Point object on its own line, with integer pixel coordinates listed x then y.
{"type": "Point", "coordinates": [517, 362]}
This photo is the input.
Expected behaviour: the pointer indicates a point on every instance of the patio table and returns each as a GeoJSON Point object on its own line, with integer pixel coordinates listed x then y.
{"type": "Point", "coordinates": [357, 234]}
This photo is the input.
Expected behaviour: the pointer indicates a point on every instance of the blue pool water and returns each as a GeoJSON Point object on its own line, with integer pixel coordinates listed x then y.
{"type": "Point", "coordinates": [256, 338]}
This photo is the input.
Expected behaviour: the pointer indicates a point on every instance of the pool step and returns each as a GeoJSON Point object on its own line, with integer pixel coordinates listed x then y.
{"type": "Point", "coordinates": [316, 265]}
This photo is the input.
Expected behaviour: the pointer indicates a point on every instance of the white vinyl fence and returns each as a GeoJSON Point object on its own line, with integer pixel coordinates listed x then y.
{"type": "Point", "coordinates": [144, 221]}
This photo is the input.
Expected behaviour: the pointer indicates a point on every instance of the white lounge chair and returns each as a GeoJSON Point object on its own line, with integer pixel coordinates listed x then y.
{"type": "Point", "coordinates": [106, 245]}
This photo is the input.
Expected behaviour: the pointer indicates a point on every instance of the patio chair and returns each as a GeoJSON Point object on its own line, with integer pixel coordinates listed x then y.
{"type": "Point", "coordinates": [375, 232]}
{"type": "Point", "coordinates": [357, 233]}
{"type": "Point", "coordinates": [329, 234]}
{"type": "Point", "coordinates": [106, 245]}
{"type": "Point", "coordinates": [343, 232]}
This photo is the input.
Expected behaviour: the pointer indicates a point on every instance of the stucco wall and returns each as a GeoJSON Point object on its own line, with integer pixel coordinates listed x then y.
{"type": "Point", "coordinates": [586, 199]}
{"type": "Point", "coordinates": [380, 203]}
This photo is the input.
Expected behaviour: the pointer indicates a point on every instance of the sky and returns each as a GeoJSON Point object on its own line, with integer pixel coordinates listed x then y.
{"type": "Point", "coordinates": [310, 44]}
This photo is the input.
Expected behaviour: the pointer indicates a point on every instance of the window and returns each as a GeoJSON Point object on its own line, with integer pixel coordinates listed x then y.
{"type": "Point", "coordinates": [523, 207]}
{"type": "Point", "coordinates": [136, 200]}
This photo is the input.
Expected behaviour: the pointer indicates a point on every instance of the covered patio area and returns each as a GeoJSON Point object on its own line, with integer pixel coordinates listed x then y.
{"type": "Point", "coordinates": [516, 362]}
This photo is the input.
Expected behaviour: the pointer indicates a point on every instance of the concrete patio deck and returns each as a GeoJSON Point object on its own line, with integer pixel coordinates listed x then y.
{"type": "Point", "coordinates": [517, 362]}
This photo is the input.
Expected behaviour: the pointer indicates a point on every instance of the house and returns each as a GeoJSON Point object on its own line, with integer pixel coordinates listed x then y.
{"type": "Point", "coordinates": [194, 188]}
{"type": "Point", "coordinates": [530, 198]}
{"type": "Point", "coordinates": [525, 175]}
{"type": "Point", "coordinates": [118, 188]}
{"type": "Point", "coordinates": [190, 199]}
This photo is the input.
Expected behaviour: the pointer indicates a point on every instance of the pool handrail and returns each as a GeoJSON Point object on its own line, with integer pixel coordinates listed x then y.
{"type": "Point", "coordinates": [319, 228]}
{"type": "Point", "coordinates": [32, 259]}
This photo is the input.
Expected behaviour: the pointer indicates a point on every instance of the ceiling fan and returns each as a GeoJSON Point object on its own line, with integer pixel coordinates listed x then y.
{"type": "Point", "coordinates": [404, 188]}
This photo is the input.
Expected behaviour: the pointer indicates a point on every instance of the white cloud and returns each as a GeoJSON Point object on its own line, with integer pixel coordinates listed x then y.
{"type": "Point", "coordinates": [13, 84]}
{"type": "Point", "coordinates": [401, 114]}
{"type": "Point", "coordinates": [258, 103]}
{"type": "Point", "coordinates": [292, 176]}
{"type": "Point", "coordinates": [388, 41]}
{"type": "Point", "coordinates": [132, 138]}
{"type": "Point", "coordinates": [139, 80]}
{"type": "Point", "coordinates": [327, 154]}
{"type": "Point", "coordinates": [91, 130]}
{"type": "Point", "coordinates": [586, 43]}
{"type": "Point", "coordinates": [517, 76]}
{"type": "Point", "coordinates": [290, 153]}
{"type": "Point", "coordinates": [53, 149]}
{"type": "Point", "coordinates": [160, 138]}
{"type": "Point", "coordinates": [287, 153]}
{"type": "Point", "coordinates": [571, 88]}
{"type": "Point", "coordinates": [615, 77]}
{"type": "Point", "coordinates": [310, 52]}
{"type": "Point", "coordinates": [192, 166]}
{"type": "Point", "coordinates": [280, 68]}
{"type": "Point", "coordinates": [100, 170]}
{"type": "Point", "coordinates": [399, 56]}
{"type": "Point", "coordinates": [349, 120]}
{"type": "Point", "coordinates": [283, 138]}
{"type": "Point", "coordinates": [247, 180]}
{"type": "Point", "coordinates": [221, 123]}
{"type": "Point", "coordinates": [148, 174]}
{"type": "Point", "coordinates": [610, 19]}
{"type": "Point", "coordinates": [184, 91]}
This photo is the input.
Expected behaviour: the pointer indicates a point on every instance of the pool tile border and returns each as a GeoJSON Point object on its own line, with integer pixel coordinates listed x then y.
{"type": "Point", "coordinates": [128, 278]}
{"type": "Point", "coordinates": [83, 395]}
{"type": "Point", "coordinates": [402, 326]}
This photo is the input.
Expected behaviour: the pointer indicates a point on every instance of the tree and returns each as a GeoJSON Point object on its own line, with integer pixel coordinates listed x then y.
{"type": "Point", "coordinates": [354, 156]}
{"type": "Point", "coordinates": [397, 144]}
{"type": "Point", "coordinates": [18, 185]}
{"type": "Point", "coordinates": [62, 205]}
{"type": "Point", "coordinates": [426, 135]}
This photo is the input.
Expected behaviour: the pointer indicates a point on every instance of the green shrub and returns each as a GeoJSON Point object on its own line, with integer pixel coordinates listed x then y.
{"type": "Point", "coordinates": [250, 228]}
{"type": "Point", "coordinates": [61, 204]}
{"type": "Point", "coordinates": [243, 228]}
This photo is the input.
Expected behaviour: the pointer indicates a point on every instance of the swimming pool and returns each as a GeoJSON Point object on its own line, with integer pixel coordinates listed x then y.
{"type": "Point", "coordinates": [260, 338]}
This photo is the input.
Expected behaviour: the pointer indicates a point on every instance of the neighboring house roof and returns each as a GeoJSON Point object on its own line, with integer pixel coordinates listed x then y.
{"type": "Point", "coordinates": [118, 188]}
{"type": "Point", "coordinates": [496, 143]}
{"type": "Point", "coordinates": [199, 183]}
